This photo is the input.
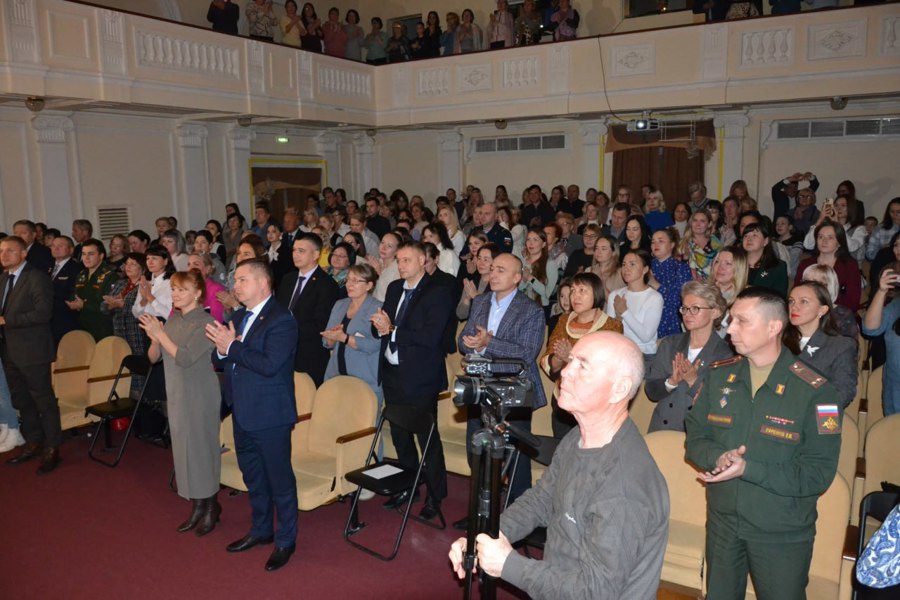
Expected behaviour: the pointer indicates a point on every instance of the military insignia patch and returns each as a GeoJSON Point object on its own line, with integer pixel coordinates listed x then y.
{"type": "Point", "coordinates": [780, 434]}
{"type": "Point", "coordinates": [725, 420]}
{"type": "Point", "coordinates": [779, 389]}
{"type": "Point", "coordinates": [731, 378]}
{"type": "Point", "coordinates": [807, 375]}
{"type": "Point", "coordinates": [827, 418]}
{"type": "Point", "coordinates": [723, 401]}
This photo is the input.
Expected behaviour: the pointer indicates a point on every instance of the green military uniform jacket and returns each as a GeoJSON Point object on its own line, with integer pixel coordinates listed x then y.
{"type": "Point", "coordinates": [792, 433]}
{"type": "Point", "coordinates": [91, 289]}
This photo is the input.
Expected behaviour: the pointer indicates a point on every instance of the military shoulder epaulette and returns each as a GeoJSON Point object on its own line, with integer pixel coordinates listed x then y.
{"type": "Point", "coordinates": [807, 374]}
{"type": "Point", "coordinates": [726, 361]}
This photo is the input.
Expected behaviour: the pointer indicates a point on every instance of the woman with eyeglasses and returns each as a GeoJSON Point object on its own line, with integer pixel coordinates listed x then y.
{"type": "Point", "coordinates": [342, 258]}
{"type": "Point", "coordinates": [676, 372]}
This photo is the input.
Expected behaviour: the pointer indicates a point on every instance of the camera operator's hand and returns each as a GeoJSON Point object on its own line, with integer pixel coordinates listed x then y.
{"type": "Point", "coordinates": [492, 554]}
{"type": "Point", "coordinates": [479, 341]}
{"type": "Point", "coordinates": [457, 555]}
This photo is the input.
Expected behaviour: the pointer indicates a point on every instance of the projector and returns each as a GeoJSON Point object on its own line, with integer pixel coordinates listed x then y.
{"type": "Point", "coordinates": [642, 124]}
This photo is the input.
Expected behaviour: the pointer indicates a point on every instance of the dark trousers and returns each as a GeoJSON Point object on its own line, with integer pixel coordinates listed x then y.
{"type": "Point", "coordinates": [521, 477]}
{"type": "Point", "coordinates": [264, 458]}
{"type": "Point", "coordinates": [780, 570]}
{"type": "Point", "coordinates": [32, 395]}
{"type": "Point", "coordinates": [435, 470]}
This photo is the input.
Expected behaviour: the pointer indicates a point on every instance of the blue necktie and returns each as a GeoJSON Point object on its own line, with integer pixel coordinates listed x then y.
{"type": "Point", "coordinates": [405, 301]}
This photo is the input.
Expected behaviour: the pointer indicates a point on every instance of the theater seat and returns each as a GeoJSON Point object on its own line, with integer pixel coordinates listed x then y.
{"type": "Point", "coordinates": [340, 434]}
{"type": "Point", "coordinates": [641, 410]}
{"type": "Point", "coordinates": [108, 355]}
{"type": "Point", "coordinates": [451, 423]}
{"type": "Point", "coordinates": [73, 359]}
{"type": "Point", "coordinates": [684, 560]}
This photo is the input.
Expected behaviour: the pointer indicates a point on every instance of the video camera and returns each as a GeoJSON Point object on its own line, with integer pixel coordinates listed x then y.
{"type": "Point", "coordinates": [482, 385]}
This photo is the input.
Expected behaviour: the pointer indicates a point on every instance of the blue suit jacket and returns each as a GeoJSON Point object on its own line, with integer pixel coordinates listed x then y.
{"type": "Point", "coordinates": [520, 335]}
{"type": "Point", "coordinates": [258, 378]}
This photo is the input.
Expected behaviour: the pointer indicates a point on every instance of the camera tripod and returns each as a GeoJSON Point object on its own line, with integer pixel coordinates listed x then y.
{"type": "Point", "coordinates": [488, 447]}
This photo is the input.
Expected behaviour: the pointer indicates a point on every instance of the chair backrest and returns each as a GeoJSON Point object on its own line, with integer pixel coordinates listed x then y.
{"type": "Point", "coordinates": [883, 453]}
{"type": "Point", "coordinates": [343, 405]}
{"type": "Point", "coordinates": [849, 448]}
{"type": "Point", "coordinates": [304, 392]}
{"type": "Point", "coordinates": [876, 505]}
{"type": "Point", "coordinates": [75, 349]}
{"type": "Point", "coordinates": [108, 355]}
{"type": "Point", "coordinates": [874, 393]}
{"type": "Point", "coordinates": [831, 527]}
{"type": "Point", "coordinates": [641, 410]}
{"type": "Point", "coordinates": [405, 417]}
{"type": "Point", "coordinates": [687, 496]}
{"type": "Point", "coordinates": [137, 365]}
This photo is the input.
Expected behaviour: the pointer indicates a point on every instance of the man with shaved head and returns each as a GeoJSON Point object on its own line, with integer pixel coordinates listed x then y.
{"type": "Point", "coordinates": [603, 500]}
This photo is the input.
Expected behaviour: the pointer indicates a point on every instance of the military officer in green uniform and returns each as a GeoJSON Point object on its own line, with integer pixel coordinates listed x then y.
{"type": "Point", "coordinates": [764, 431]}
{"type": "Point", "coordinates": [94, 282]}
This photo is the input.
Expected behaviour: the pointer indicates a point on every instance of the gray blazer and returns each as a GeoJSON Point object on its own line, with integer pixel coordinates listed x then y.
{"type": "Point", "coordinates": [833, 357]}
{"type": "Point", "coordinates": [362, 362]}
{"type": "Point", "coordinates": [671, 407]}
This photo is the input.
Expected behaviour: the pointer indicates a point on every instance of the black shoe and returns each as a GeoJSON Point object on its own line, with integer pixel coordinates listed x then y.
{"type": "Point", "coordinates": [462, 524]}
{"type": "Point", "coordinates": [279, 558]}
{"type": "Point", "coordinates": [247, 542]}
{"type": "Point", "coordinates": [211, 512]}
{"type": "Point", "coordinates": [431, 509]}
{"type": "Point", "coordinates": [199, 505]}
{"type": "Point", "coordinates": [28, 452]}
{"type": "Point", "coordinates": [49, 461]}
{"type": "Point", "coordinates": [398, 500]}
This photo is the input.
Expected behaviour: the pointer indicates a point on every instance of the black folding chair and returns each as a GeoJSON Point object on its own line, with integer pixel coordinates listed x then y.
{"type": "Point", "coordinates": [117, 407]}
{"type": "Point", "coordinates": [401, 479]}
{"type": "Point", "coordinates": [876, 505]}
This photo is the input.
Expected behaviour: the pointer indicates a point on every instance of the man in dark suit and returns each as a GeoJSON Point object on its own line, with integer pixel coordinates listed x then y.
{"type": "Point", "coordinates": [26, 349]}
{"type": "Point", "coordinates": [82, 230]}
{"type": "Point", "coordinates": [506, 323]}
{"type": "Point", "coordinates": [309, 293]}
{"type": "Point", "coordinates": [63, 274]}
{"type": "Point", "coordinates": [412, 372]}
{"type": "Point", "coordinates": [453, 286]}
{"type": "Point", "coordinates": [38, 254]}
{"type": "Point", "coordinates": [284, 264]}
{"type": "Point", "coordinates": [375, 222]}
{"type": "Point", "coordinates": [256, 352]}
{"type": "Point", "coordinates": [617, 220]}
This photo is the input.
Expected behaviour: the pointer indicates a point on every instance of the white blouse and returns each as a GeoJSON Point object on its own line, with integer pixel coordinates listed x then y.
{"type": "Point", "coordinates": [161, 307]}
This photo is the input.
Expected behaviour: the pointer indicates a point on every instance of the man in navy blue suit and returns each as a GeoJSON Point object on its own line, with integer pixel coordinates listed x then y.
{"type": "Point", "coordinates": [412, 373]}
{"type": "Point", "coordinates": [256, 353]}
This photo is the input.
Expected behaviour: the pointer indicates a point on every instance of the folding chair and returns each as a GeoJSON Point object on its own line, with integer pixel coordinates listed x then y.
{"type": "Point", "coordinates": [117, 407]}
{"type": "Point", "coordinates": [388, 477]}
{"type": "Point", "coordinates": [876, 505]}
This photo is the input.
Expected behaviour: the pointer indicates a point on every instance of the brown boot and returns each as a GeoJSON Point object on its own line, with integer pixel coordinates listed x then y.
{"type": "Point", "coordinates": [196, 513]}
{"type": "Point", "coordinates": [210, 517]}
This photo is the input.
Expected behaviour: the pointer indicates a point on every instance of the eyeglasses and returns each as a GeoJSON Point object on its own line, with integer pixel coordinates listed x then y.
{"type": "Point", "coordinates": [356, 280]}
{"type": "Point", "coordinates": [694, 310]}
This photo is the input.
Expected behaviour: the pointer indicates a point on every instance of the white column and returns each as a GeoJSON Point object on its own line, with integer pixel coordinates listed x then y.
{"type": "Point", "coordinates": [450, 161]}
{"type": "Point", "coordinates": [363, 165]}
{"type": "Point", "coordinates": [729, 162]}
{"type": "Point", "coordinates": [193, 176]}
{"type": "Point", "coordinates": [55, 199]}
{"type": "Point", "coordinates": [238, 184]}
{"type": "Point", "coordinates": [328, 146]}
{"type": "Point", "coordinates": [592, 150]}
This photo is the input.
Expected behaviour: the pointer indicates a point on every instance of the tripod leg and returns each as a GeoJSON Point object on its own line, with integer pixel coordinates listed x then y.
{"type": "Point", "coordinates": [479, 459]}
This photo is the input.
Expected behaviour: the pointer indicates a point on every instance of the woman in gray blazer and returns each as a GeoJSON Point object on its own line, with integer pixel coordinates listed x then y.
{"type": "Point", "coordinates": [355, 351]}
{"type": "Point", "coordinates": [682, 359]}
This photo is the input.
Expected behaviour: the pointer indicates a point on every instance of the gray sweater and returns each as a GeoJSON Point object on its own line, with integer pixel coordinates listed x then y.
{"type": "Point", "coordinates": [607, 516]}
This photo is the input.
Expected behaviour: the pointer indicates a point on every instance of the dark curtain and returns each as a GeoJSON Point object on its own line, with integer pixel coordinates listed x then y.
{"type": "Point", "coordinates": [669, 169]}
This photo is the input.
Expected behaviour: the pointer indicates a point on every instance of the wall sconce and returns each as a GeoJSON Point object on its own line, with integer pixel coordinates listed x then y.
{"type": "Point", "coordinates": [839, 103]}
{"type": "Point", "coordinates": [500, 124]}
{"type": "Point", "coordinates": [34, 104]}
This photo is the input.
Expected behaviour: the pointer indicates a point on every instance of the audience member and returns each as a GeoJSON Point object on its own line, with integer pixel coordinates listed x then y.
{"type": "Point", "coordinates": [155, 296]}
{"type": "Point", "coordinates": [528, 25]}
{"type": "Point", "coordinates": [603, 478]}
{"type": "Point", "coordinates": [805, 214]}
{"type": "Point", "coordinates": [844, 318]}
{"type": "Point", "coordinates": [203, 263]}
{"type": "Point", "coordinates": [606, 264]}
{"type": "Point", "coordinates": [637, 305]}
{"type": "Point", "coordinates": [883, 318]}
{"type": "Point", "coordinates": [814, 338]}
{"type": "Point", "coordinates": [729, 274]}
{"type": "Point", "coordinates": [679, 368]}
{"type": "Point", "coordinates": [500, 30]}
{"type": "Point", "coordinates": [173, 241]}
{"type": "Point", "coordinates": [540, 273]}
{"type": "Point", "coordinates": [375, 44]}
{"type": "Point", "coordinates": [262, 19]}
{"type": "Point", "coordinates": [412, 373]}
{"type": "Point", "coordinates": [617, 220]}
{"type": "Point", "coordinates": [881, 235]}
{"type": "Point", "coordinates": [668, 275]}
{"type": "Point", "coordinates": [555, 250]}
{"type": "Point", "coordinates": [309, 294]}
{"type": "Point", "coordinates": [697, 194]}
{"type": "Point", "coordinates": [334, 36]}
{"type": "Point", "coordinates": [397, 48]}
{"type": "Point", "coordinates": [119, 302]}
{"type": "Point", "coordinates": [699, 247]}
{"type": "Point", "coordinates": [262, 422]}
{"type": "Point", "coordinates": [637, 235]}
{"type": "Point", "coordinates": [785, 192]}
{"type": "Point", "coordinates": [292, 28]}
{"type": "Point", "coordinates": [563, 305]}
{"type": "Point", "coordinates": [37, 254]}
{"type": "Point", "coordinates": [193, 398]}
{"type": "Point", "coordinates": [509, 218]}
{"type": "Point", "coordinates": [63, 274]}
{"type": "Point", "coordinates": [448, 38]}
{"type": "Point", "coordinates": [447, 216]}
{"type": "Point", "coordinates": [82, 230]}
{"type": "Point", "coordinates": [26, 351]}
{"type": "Point", "coordinates": [761, 491]}
{"type": "Point", "coordinates": [231, 237]}
{"type": "Point", "coordinates": [657, 217]}
{"type": "Point", "coordinates": [582, 259]}
{"type": "Point", "coordinates": [93, 283]}
{"type": "Point", "coordinates": [855, 206]}
{"type": "Point", "coordinates": [284, 264]}
{"type": "Point", "coordinates": [564, 22]}
{"type": "Point", "coordinates": [537, 210]}
{"type": "Point", "coordinates": [831, 250]}
{"type": "Point", "coordinates": [216, 246]}
{"type": "Point", "coordinates": [468, 37]}
{"type": "Point", "coordinates": [224, 16]}
{"type": "Point", "coordinates": [727, 232]}
{"type": "Point", "coordinates": [765, 269]}
{"type": "Point", "coordinates": [681, 216]}
{"type": "Point", "coordinates": [385, 263]}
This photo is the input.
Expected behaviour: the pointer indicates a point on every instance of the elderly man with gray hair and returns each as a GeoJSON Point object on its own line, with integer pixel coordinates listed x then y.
{"type": "Point", "coordinates": [603, 500]}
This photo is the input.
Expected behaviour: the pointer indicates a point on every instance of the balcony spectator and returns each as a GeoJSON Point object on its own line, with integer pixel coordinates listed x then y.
{"type": "Point", "coordinates": [784, 193]}
{"type": "Point", "coordinates": [564, 22]}
{"type": "Point", "coordinates": [376, 43]}
{"type": "Point", "coordinates": [743, 10]}
{"type": "Point", "coordinates": [529, 26]}
{"type": "Point", "coordinates": [398, 46]}
{"type": "Point", "coordinates": [432, 45]}
{"type": "Point", "coordinates": [262, 19]}
{"type": "Point", "coordinates": [311, 40]}
{"type": "Point", "coordinates": [818, 4]}
{"type": "Point", "coordinates": [418, 46]}
{"type": "Point", "coordinates": [468, 34]}
{"type": "Point", "coordinates": [500, 31]}
{"type": "Point", "coordinates": [713, 10]}
{"type": "Point", "coordinates": [355, 36]}
{"type": "Point", "coordinates": [224, 15]}
{"type": "Point", "coordinates": [291, 26]}
{"type": "Point", "coordinates": [448, 38]}
{"type": "Point", "coordinates": [334, 35]}
{"type": "Point", "coordinates": [785, 7]}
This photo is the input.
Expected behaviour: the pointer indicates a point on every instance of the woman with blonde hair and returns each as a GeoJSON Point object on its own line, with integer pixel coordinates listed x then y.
{"type": "Point", "coordinates": [656, 215]}
{"type": "Point", "coordinates": [540, 273]}
{"type": "Point", "coordinates": [448, 217]}
{"type": "Point", "coordinates": [605, 263]}
{"type": "Point", "coordinates": [729, 273]}
{"type": "Point", "coordinates": [699, 246]}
